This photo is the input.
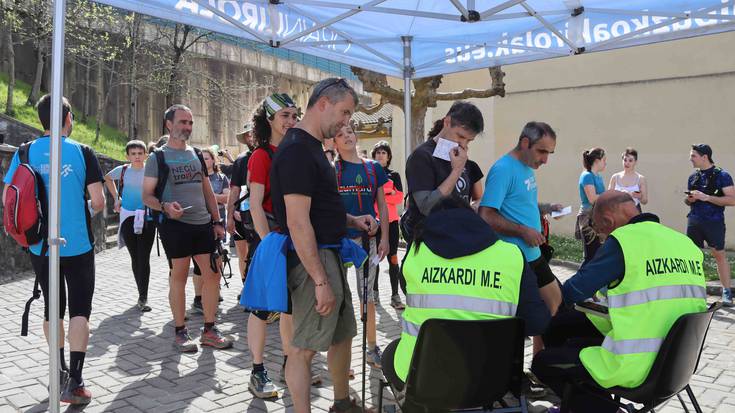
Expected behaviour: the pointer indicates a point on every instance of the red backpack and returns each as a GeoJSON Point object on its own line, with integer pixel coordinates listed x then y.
{"type": "Point", "coordinates": [24, 216]}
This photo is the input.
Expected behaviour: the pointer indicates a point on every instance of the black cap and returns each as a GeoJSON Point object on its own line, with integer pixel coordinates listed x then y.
{"type": "Point", "coordinates": [703, 149]}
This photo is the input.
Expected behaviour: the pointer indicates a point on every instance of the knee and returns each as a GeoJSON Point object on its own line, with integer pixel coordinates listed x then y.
{"type": "Point", "coordinates": [305, 355]}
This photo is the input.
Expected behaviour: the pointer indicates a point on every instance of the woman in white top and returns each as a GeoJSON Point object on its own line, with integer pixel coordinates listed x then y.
{"type": "Point", "coordinates": [630, 181]}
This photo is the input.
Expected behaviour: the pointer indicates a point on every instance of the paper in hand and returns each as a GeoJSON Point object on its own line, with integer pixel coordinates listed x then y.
{"type": "Point", "coordinates": [565, 211]}
{"type": "Point", "coordinates": [443, 146]}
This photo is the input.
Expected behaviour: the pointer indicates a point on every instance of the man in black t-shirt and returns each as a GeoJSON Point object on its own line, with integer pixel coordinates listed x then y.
{"type": "Point", "coordinates": [433, 176]}
{"type": "Point", "coordinates": [308, 207]}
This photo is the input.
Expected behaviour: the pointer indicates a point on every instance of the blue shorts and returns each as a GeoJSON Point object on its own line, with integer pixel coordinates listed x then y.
{"type": "Point", "coordinates": [711, 232]}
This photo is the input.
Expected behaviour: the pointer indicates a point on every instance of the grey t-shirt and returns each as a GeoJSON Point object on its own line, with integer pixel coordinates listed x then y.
{"type": "Point", "coordinates": [184, 184]}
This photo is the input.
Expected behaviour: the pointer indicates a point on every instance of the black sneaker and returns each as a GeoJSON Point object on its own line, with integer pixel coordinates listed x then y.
{"type": "Point", "coordinates": [143, 305]}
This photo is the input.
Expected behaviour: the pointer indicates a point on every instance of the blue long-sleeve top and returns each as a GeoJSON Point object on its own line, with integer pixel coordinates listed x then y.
{"type": "Point", "coordinates": [606, 268]}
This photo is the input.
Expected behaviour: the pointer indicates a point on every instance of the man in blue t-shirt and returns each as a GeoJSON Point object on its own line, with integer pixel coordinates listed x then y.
{"type": "Point", "coordinates": [360, 185]}
{"type": "Point", "coordinates": [709, 190]}
{"type": "Point", "coordinates": [80, 174]}
{"type": "Point", "coordinates": [510, 204]}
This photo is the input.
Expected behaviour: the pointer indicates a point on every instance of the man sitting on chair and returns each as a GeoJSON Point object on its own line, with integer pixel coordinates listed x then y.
{"type": "Point", "coordinates": [458, 269]}
{"type": "Point", "coordinates": [651, 275]}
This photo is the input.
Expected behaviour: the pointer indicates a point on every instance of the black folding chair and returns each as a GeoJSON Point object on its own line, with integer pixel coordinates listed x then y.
{"type": "Point", "coordinates": [465, 365]}
{"type": "Point", "coordinates": [676, 362]}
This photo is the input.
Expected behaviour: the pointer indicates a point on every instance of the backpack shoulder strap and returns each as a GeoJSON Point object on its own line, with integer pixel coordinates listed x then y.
{"type": "Point", "coordinates": [162, 172]}
{"type": "Point", "coordinates": [23, 152]}
{"type": "Point", "coordinates": [122, 181]}
{"type": "Point", "coordinates": [201, 159]}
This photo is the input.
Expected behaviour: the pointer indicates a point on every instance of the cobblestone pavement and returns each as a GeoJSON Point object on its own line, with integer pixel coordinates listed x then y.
{"type": "Point", "coordinates": [132, 367]}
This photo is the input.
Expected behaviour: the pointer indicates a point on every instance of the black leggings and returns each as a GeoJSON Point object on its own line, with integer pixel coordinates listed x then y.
{"type": "Point", "coordinates": [393, 267]}
{"type": "Point", "coordinates": [139, 246]}
{"type": "Point", "coordinates": [76, 272]}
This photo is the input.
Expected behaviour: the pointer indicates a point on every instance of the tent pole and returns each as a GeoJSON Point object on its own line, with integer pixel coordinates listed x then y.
{"type": "Point", "coordinates": [407, 73]}
{"type": "Point", "coordinates": [54, 240]}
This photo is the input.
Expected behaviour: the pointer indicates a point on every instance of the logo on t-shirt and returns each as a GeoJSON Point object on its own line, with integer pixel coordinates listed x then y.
{"type": "Point", "coordinates": [530, 183]}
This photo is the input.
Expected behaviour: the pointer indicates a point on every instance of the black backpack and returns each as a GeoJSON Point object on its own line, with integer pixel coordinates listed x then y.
{"type": "Point", "coordinates": [709, 180]}
{"type": "Point", "coordinates": [245, 216]}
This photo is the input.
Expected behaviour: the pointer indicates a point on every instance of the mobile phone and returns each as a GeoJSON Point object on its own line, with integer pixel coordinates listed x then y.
{"type": "Point", "coordinates": [688, 192]}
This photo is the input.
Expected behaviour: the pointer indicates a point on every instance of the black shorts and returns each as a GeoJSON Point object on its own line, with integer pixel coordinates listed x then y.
{"type": "Point", "coordinates": [711, 232]}
{"type": "Point", "coordinates": [77, 280]}
{"type": "Point", "coordinates": [186, 240]}
{"type": "Point", "coordinates": [543, 272]}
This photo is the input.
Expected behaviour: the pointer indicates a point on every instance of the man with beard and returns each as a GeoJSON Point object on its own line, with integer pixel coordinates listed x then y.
{"type": "Point", "coordinates": [309, 209]}
{"type": "Point", "coordinates": [175, 184]}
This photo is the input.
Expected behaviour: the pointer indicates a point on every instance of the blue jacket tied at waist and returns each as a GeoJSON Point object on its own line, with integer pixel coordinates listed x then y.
{"type": "Point", "coordinates": [265, 285]}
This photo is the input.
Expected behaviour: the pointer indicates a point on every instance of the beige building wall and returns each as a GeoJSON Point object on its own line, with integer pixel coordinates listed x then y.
{"type": "Point", "coordinates": [659, 99]}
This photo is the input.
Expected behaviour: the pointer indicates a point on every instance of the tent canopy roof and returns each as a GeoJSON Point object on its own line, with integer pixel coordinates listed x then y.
{"type": "Point", "coordinates": [446, 36]}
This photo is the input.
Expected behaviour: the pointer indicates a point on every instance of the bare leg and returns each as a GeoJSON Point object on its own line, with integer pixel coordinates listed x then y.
{"type": "Point", "coordinates": [338, 360]}
{"type": "Point", "coordinates": [177, 289]}
{"type": "Point", "coordinates": [298, 376]}
{"type": "Point", "coordinates": [198, 281]}
{"type": "Point", "coordinates": [78, 334]}
{"type": "Point", "coordinates": [242, 253]}
{"type": "Point", "coordinates": [723, 267]}
{"type": "Point", "coordinates": [61, 332]}
{"type": "Point", "coordinates": [286, 328]}
{"type": "Point", "coordinates": [256, 338]}
{"type": "Point", "coordinates": [210, 287]}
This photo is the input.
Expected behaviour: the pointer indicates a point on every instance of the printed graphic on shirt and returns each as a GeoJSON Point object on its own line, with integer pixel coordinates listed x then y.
{"type": "Point", "coordinates": [185, 172]}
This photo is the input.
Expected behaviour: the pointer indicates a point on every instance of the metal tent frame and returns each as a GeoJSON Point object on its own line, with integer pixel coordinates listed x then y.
{"type": "Point", "coordinates": [458, 39]}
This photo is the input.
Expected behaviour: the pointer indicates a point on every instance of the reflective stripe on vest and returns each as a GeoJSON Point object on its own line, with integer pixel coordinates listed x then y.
{"type": "Point", "coordinates": [456, 302]}
{"type": "Point", "coordinates": [410, 328]}
{"type": "Point", "coordinates": [642, 345]}
{"type": "Point", "coordinates": [665, 292]}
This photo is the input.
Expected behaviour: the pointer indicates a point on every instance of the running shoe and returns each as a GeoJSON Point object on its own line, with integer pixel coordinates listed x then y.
{"type": "Point", "coordinates": [354, 408]}
{"type": "Point", "coordinates": [75, 393]}
{"type": "Point", "coordinates": [374, 357]}
{"type": "Point", "coordinates": [196, 308]}
{"type": "Point", "coordinates": [143, 305]}
{"type": "Point", "coordinates": [262, 386]}
{"type": "Point", "coordinates": [184, 343]}
{"type": "Point", "coordinates": [214, 338]}
{"type": "Point", "coordinates": [63, 378]}
{"type": "Point", "coordinates": [727, 297]}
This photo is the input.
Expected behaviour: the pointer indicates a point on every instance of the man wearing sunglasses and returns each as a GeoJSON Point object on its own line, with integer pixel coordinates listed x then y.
{"type": "Point", "coordinates": [309, 209]}
{"type": "Point", "coordinates": [646, 275]}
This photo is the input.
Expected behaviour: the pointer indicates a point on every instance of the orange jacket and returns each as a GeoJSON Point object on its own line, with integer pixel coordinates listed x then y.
{"type": "Point", "coordinates": [393, 198]}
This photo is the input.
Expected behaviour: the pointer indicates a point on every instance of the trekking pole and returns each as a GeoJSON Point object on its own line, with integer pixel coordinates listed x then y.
{"type": "Point", "coordinates": [363, 316]}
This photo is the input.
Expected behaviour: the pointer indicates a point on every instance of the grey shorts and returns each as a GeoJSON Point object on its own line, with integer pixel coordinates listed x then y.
{"type": "Point", "coordinates": [311, 330]}
{"type": "Point", "coordinates": [372, 270]}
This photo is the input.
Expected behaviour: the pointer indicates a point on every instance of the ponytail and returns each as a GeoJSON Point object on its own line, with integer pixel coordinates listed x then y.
{"type": "Point", "coordinates": [590, 156]}
{"type": "Point", "coordinates": [438, 126]}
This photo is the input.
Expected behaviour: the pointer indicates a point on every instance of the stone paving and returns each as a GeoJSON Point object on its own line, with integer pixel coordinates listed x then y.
{"type": "Point", "coordinates": [132, 367]}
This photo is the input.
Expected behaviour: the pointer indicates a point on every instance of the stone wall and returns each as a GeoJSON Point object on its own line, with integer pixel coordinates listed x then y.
{"type": "Point", "coordinates": [14, 133]}
{"type": "Point", "coordinates": [14, 260]}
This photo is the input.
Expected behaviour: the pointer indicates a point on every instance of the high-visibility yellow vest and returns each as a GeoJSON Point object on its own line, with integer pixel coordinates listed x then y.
{"type": "Point", "coordinates": [481, 286]}
{"type": "Point", "coordinates": [663, 280]}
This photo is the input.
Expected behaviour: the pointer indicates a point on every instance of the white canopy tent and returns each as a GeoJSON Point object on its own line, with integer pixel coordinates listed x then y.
{"type": "Point", "coordinates": [406, 39]}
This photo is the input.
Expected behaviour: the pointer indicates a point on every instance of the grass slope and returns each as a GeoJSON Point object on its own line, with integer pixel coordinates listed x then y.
{"type": "Point", "coordinates": [111, 142]}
